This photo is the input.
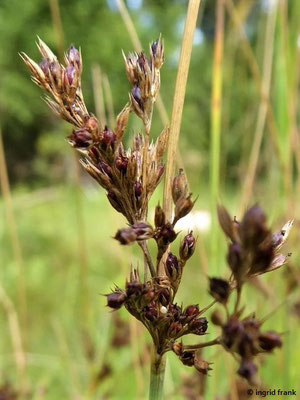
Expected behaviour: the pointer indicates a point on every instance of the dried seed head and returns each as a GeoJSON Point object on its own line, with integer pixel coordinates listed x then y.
{"type": "Point", "coordinates": [143, 231]}
{"type": "Point", "coordinates": [126, 236]}
{"type": "Point", "coordinates": [177, 348]}
{"type": "Point", "coordinates": [157, 53]}
{"type": "Point", "coordinates": [151, 313]}
{"type": "Point", "coordinates": [202, 366]}
{"type": "Point", "coordinates": [172, 267]}
{"type": "Point", "coordinates": [175, 328]}
{"type": "Point", "coordinates": [219, 289]}
{"type": "Point", "coordinates": [108, 138]}
{"type": "Point", "coordinates": [198, 326]}
{"type": "Point", "coordinates": [253, 229]}
{"type": "Point", "coordinates": [81, 138]}
{"type": "Point", "coordinates": [234, 258]}
{"type": "Point", "coordinates": [116, 299]}
{"type": "Point", "coordinates": [187, 358]}
{"type": "Point", "coordinates": [183, 206]}
{"type": "Point", "coordinates": [269, 341]}
{"type": "Point", "coordinates": [134, 288]}
{"type": "Point", "coordinates": [167, 233]}
{"type": "Point", "coordinates": [159, 218]}
{"type": "Point", "coordinates": [187, 246]}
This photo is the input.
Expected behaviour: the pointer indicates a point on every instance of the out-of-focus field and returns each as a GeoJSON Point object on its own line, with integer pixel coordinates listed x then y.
{"type": "Point", "coordinates": [57, 255]}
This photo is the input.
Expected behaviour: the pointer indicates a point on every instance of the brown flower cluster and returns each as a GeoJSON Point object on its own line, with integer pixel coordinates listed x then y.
{"type": "Point", "coordinates": [129, 177]}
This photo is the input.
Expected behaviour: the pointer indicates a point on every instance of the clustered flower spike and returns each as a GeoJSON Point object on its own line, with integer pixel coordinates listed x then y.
{"type": "Point", "coordinates": [117, 170]}
{"type": "Point", "coordinates": [129, 177]}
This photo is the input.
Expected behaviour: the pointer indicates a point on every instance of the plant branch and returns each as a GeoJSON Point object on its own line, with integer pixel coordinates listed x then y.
{"type": "Point", "coordinates": [202, 345]}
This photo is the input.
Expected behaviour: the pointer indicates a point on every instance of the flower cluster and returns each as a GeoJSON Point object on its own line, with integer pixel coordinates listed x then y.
{"type": "Point", "coordinates": [129, 177]}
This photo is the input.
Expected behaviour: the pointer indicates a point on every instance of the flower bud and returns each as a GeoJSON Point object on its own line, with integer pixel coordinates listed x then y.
{"type": "Point", "coordinates": [269, 340]}
{"type": "Point", "coordinates": [248, 371]}
{"type": "Point", "coordinates": [157, 53]}
{"type": "Point", "coordinates": [172, 267]}
{"type": "Point", "coordinates": [234, 258]}
{"type": "Point", "coordinates": [175, 328]}
{"type": "Point", "coordinates": [116, 299]}
{"type": "Point", "coordinates": [183, 206]}
{"type": "Point", "coordinates": [187, 358]}
{"type": "Point", "coordinates": [134, 288]}
{"type": "Point", "coordinates": [136, 98]}
{"type": "Point", "coordinates": [164, 297]}
{"type": "Point", "coordinates": [121, 163]}
{"type": "Point", "coordinates": [198, 326]}
{"type": "Point", "coordinates": [108, 138]}
{"type": "Point", "coordinates": [81, 138]}
{"type": "Point", "coordinates": [202, 366]}
{"type": "Point", "coordinates": [126, 236]}
{"type": "Point", "coordinates": [217, 318]}
{"type": "Point", "coordinates": [56, 73]}
{"type": "Point", "coordinates": [138, 189]}
{"type": "Point", "coordinates": [252, 228]}
{"type": "Point", "coordinates": [177, 348]}
{"type": "Point", "coordinates": [70, 75]}
{"type": "Point", "coordinates": [151, 313]}
{"type": "Point", "coordinates": [190, 313]}
{"type": "Point", "coordinates": [45, 66]}
{"type": "Point", "coordinates": [92, 125]}
{"type": "Point", "coordinates": [167, 234]}
{"type": "Point", "coordinates": [142, 230]}
{"type": "Point", "coordinates": [219, 289]}
{"type": "Point", "coordinates": [187, 247]}
{"type": "Point", "coordinates": [179, 187]}
{"type": "Point", "coordinates": [73, 57]}
{"type": "Point", "coordinates": [103, 167]}
{"type": "Point", "coordinates": [159, 217]}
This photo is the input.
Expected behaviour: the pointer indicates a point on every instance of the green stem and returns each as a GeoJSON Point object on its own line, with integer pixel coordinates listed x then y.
{"type": "Point", "coordinates": [157, 375]}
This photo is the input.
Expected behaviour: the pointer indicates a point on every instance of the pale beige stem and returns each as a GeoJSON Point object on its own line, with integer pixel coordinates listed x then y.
{"type": "Point", "coordinates": [98, 94]}
{"type": "Point", "coordinates": [178, 101]}
{"type": "Point", "coordinates": [262, 113]}
{"type": "Point", "coordinates": [108, 100]}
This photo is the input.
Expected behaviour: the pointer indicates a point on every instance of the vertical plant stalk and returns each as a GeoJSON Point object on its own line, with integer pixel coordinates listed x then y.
{"type": "Point", "coordinates": [158, 361]}
{"type": "Point", "coordinates": [158, 366]}
{"type": "Point", "coordinates": [14, 238]}
{"type": "Point", "coordinates": [108, 100]}
{"type": "Point", "coordinates": [216, 123]}
{"type": "Point", "coordinates": [262, 113]}
{"type": "Point", "coordinates": [178, 101]}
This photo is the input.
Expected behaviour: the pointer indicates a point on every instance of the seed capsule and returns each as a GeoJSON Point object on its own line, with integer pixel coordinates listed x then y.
{"type": "Point", "coordinates": [116, 300]}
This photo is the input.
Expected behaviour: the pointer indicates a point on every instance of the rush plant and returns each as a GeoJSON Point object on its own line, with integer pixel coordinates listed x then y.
{"type": "Point", "coordinates": [129, 177]}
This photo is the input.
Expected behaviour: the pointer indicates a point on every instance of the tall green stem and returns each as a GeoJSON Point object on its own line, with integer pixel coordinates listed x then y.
{"type": "Point", "coordinates": [157, 374]}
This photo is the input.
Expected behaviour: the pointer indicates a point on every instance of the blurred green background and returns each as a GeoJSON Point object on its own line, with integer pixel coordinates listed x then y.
{"type": "Point", "coordinates": [56, 225]}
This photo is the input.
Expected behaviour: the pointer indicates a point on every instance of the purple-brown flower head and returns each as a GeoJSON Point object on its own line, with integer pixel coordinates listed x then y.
{"type": "Point", "coordinates": [116, 299]}
{"type": "Point", "coordinates": [126, 236]}
{"type": "Point", "coordinates": [198, 326]}
{"type": "Point", "coordinates": [248, 371]}
{"type": "Point", "coordinates": [187, 246]}
{"type": "Point", "coordinates": [159, 217]}
{"type": "Point", "coordinates": [269, 341]}
{"type": "Point", "coordinates": [187, 358]}
{"type": "Point", "coordinates": [219, 289]}
{"type": "Point", "coordinates": [172, 267]}
{"type": "Point", "coordinates": [179, 186]}
{"type": "Point", "coordinates": [73, 57]}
